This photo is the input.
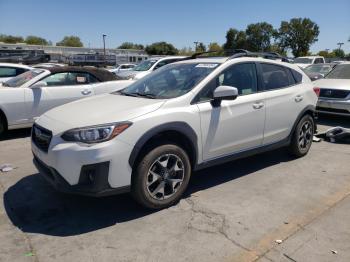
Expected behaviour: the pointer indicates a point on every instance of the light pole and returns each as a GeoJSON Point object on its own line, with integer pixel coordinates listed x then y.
{"type": "Point", "coordinates": [196, 43]}
{"type": "Point", "coordinates": [104, 49]}
{"type": "Point", "coordinates": [340, 44]}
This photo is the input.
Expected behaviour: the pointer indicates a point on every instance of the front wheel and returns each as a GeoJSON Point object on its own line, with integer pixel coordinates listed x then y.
{"type": "Point", "coordinates": [2, 126]}
{"type": "Point", "coordinates": [302, 137]}
{"type": "Point", "coordinates": [161, 176]}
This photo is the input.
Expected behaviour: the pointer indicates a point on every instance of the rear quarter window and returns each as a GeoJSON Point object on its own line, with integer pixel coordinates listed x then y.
{"type": "Point", "coordinates": [297, 76]}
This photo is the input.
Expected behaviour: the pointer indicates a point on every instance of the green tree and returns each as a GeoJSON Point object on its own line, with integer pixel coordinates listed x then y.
{"type": "Point", "coordinates": [298, 34]}
{"type": "Point", "coordinates": [35, 40]}
{"type": "Point", "coordinates": [11, 39]}
{"type": "Point", "coordinates": [186, 51]}
{"type": "Point", "coordinates": [201, 47]}
{"type": "Point", "coordinates": [73, 41]}
{"type": "Point", "coordinates": [234, 40]}
{"type": "Point", "coordinates": [326, 54]}
{"type": "Point", "coordinates": [161, 48]}
{"type": "Point", "coordinates": [215, 47]}
{"type": "Point", "coordinates": [259, 36]}
{"type": "Point", "coordinates": [339, 53]}
{"type": "Point", "coordinates": [130, 45]}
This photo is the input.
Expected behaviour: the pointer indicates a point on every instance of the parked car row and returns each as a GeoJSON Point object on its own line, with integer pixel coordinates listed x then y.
{"type": "Point", "coordinates": [147, 136]}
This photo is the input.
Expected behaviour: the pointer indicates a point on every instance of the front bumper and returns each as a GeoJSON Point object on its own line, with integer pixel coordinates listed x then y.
{"type": "Point", "coordinates": [95, 169]}
{"type": "Point", "coordinates": [333, 106]}
{"type": "Point", "coordinates": [93, 180]}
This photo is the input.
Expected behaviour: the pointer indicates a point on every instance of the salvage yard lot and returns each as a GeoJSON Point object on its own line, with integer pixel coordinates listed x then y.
{"type": "Point", "coordinates": [231, 212]}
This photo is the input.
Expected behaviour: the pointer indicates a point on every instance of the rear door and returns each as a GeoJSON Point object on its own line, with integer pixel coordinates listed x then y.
{"type": "Point", "coordinates": [60, 89]}
{"type": "Point", "coordinates": [283, 99]}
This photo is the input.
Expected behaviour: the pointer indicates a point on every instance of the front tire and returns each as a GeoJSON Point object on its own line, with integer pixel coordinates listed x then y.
{"type": "Point", "coordinates": [302, 137]}
{"type": "Point", "coordinates": [161, 176]}
{"type": "Point", "coordinates": [3, 127]}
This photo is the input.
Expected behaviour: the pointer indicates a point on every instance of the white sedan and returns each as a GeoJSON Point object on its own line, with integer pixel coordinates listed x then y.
{"type": "Point", "coordinates": [9, 70]}
{"type": "Point", "coordinates": [27, 96]}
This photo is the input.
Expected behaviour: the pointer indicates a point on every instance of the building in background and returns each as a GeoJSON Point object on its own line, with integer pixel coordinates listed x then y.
{"type": "Point", "coordinates": [31, 54]}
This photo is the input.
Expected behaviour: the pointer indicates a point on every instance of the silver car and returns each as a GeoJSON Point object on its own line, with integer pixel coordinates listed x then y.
{"type": "Point", "coordinates": [335, 91]}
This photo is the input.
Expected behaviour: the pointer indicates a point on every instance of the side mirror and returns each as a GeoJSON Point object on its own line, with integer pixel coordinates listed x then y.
{"type": "Point", "coordinates": [224, 93]}
{"type": "Point", "coordinates": [39, 84]}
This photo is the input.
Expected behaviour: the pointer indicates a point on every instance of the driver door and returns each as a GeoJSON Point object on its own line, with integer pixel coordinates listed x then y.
{"type": "Point", "coordinates": [236, 125]}
{"type": "Point", "coordinates": [58, 89]}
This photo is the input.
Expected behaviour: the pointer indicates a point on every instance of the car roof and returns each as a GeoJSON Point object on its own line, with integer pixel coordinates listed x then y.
{"type": "Point", "coordinates": [15, 65]}
{"type": "Point", "coordinates": [310, 56]}
{"type": "Point", "coordinates": [165, 57]}
{"type": "Point", "coordinates": [101, 74]}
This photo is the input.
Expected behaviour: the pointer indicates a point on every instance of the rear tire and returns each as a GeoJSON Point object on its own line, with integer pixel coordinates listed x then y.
{"type": "Point", "coordinates": [161, 177]}
{"type": "Point", "coordinates": [302, 137]}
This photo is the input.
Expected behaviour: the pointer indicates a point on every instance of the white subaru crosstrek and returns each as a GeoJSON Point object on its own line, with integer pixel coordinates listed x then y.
{"type": "Point", "coordinates": [149, 137]}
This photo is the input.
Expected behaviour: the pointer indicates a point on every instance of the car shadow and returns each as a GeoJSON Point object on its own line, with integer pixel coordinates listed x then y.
{"type": "Point", "coordinates": [35, 207]}
{"type": "Point", "coordinates": [333, 121]}
{"type": "Point", "coordinates": [15, 134]}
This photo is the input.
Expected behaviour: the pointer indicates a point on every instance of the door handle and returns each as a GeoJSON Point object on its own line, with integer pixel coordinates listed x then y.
{"type": "Point", "coordinates": [86, 92]}
{"type": "Point", "coordinates": [298, 98]}
{"type": "Point", "coordinates": [258, 105]}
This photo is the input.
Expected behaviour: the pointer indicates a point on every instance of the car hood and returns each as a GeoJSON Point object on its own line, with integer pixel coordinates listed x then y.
{"type": "Point", "coordinates": [343, 84]}
{"type": "Point", "coordinates": [103, 109]}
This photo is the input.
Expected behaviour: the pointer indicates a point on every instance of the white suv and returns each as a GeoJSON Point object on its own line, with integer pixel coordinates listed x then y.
{"type": "Point", "coordinates": [149, 137]}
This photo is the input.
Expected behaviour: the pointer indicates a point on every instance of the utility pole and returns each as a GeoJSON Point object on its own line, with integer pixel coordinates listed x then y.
{"type": "Point", "coordinates": [340, 44]}
{"type": "Point", "coordinates": [104, 49]}
{"type": "Point", "coordinates": [196, 43]}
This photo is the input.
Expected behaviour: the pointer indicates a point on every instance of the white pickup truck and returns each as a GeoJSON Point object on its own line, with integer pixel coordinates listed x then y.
{"type": "Point", "coordinates": [304, 61]}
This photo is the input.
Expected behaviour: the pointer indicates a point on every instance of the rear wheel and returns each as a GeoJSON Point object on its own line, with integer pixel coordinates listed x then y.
{"type": "Point", "coordinates": [302, 137]}
{"type": "Point", "coordinates": [161, 176]}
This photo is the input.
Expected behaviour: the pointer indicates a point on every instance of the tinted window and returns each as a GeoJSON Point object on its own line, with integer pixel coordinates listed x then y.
{"type": "Point", "coordinates": [59, 79]}
{"type": "Point", "coordinates": [242, 76]}
{"type": "Point", "coordinates": [297, 76]}
{"type": "Point", "coordinates": [274, 76]}
{"type": "Point", "coordinates": [7, 72]}
{"type": "Point", "coordinates": [318, 61]}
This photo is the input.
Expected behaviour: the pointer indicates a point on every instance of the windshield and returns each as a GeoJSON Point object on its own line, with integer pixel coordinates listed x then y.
{"type": "Point", "coordinates": [23, 78]}
{"type": "Point", "coordinates": [145, 65]}
{"type": "Point", "coordinates": [340, 72]}
{"type": "Point", "coordinates": [301, 60]}
{"type": "Point", "coordinates": [170, 81]}
{"type": "Point", "coordinates": [321, 69]}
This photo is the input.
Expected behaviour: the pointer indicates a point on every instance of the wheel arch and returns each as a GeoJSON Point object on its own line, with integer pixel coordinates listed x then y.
{"type": "Point", "coordinates": [308, 110]}
{"type": "Point", "coordinates": [178, 132]}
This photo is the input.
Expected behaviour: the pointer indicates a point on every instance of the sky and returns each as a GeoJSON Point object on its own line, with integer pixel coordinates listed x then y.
{"type": "Point", "coordinates": [180, 22]}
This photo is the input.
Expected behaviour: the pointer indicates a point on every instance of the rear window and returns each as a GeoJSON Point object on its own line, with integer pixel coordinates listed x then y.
{"type": "Point", "coordinates": [297, 76]}
{"type": "Point", "coordinates": [274, 76]}
{"type": "Point", "coordinates": [340, 72]}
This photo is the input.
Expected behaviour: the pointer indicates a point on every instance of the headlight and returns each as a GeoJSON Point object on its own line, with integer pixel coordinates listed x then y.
{"type": "Point", "coordinates": [95, 134]}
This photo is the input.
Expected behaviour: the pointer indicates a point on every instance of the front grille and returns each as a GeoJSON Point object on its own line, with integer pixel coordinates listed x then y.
{"type": "Point", "coordinates": [41, 137]}
{"type": "Point", "coordinates": [334, 93]}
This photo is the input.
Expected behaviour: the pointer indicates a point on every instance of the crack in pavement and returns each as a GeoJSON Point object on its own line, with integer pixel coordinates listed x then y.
{"type": "Point", "coordinates": [215, 224]}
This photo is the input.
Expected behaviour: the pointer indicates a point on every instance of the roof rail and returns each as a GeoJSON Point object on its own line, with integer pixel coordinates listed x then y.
{"type": "Point", "coordinates": [267, 55]}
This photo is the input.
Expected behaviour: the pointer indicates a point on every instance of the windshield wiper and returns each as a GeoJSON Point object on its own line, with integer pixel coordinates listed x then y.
{"type": "Point", "coordinates": [137, 94]}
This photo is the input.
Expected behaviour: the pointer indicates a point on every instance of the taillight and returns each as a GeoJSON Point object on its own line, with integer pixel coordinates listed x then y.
{"type": "Point", "coordinates": [317, 91]}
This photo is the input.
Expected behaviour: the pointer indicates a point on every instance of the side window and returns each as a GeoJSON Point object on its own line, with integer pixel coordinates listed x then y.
{"type": "Point", "coordinates": [78, 78]}
{"type": "Point", "coordinates": [297, 76]}
{"type": "Point", "coordinates": [242, 76]}
{"type": "Point", "coordinates": [274, 76]}
{"type": "Point", "coordinates": [7, 72]}
{"type": "Point", "coordinates": [20, 71]}
{"type": "Point", "coordinates": [318, 61]}
{"type": "Point", "coordinates": [59, 79]}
